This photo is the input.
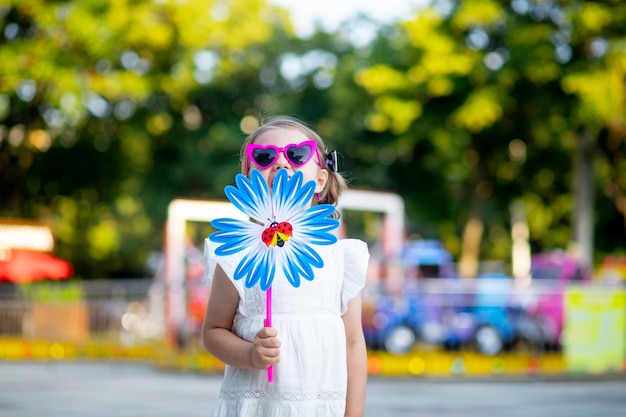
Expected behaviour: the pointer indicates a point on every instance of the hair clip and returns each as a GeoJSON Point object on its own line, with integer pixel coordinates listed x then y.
{"type": "Point", "coordinates": [331, 161]}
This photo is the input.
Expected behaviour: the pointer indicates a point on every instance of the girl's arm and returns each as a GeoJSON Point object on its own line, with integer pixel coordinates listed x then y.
{"type": "Point", "coordinates": [357, 359]}
{"type": "Point", "coordinates": [226, 346]}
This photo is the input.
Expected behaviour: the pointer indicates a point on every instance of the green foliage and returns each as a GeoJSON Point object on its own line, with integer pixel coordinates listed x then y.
{"type": "Point", "coordinates": [52, 292]}
{"type": "Point", "coordinates": [511, 85]}
{"type": "Point", "coordinates": [110, 109]}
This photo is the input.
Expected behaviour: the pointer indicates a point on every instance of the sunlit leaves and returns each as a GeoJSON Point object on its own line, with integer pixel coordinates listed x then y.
{"type": "Point", "coordinates": [117, 92]}
{"type": "Point", "coordinates": [424, 31]}
{"type": "Point", "coordinates": [381, 78]}
{"type": "Point", "coordinates": [159, 123]}
{"type": "Point", "coordinates": [474, 98]}
{"type": "Point", "coordinates": [118, 49]}
{"type": "Point", "coordinates": [226, 24]}
{"type": "Point", "coordinates": [145, 26]}
{"type": "Point", "coordinates": [481, 109]}
{"type": "Point", "coordinates": [602, 95]}
{"type": "Point", "coordinates": [104, 239]}
{"type": "Point", "coordinates": [439, 86]}
{"type": "Point", "coordinates": [594, 16]}
{"type": "Point", "coordinates": [548, 219]}
{"type": "Point", "coordinates": [493, 71]}
{"type": "Point", "coordinates": [439, 63]}
{"type": "Point", "coordinates": [393, 114]}
{"type": "Point", "coordinates": [473, 13]}
{"type": "Point", "coordinates": [118, 85]}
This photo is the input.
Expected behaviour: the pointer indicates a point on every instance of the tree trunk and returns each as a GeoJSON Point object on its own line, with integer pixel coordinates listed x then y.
{"type": "Point", "coordinates": [583, 198]}
{"type": "Point", "coordinates": [472, 236]}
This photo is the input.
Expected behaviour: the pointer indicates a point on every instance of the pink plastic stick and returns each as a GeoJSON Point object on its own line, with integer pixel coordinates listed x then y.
{"type": "Point", "coordinates": [268, 323]}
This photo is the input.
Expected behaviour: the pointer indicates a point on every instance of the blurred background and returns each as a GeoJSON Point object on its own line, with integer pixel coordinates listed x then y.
{"type": "Point", "coordinates": [484, 143]}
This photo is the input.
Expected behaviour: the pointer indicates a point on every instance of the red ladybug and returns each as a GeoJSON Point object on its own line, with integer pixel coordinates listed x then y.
{"type": "Point", "coordinates": [277, 234]}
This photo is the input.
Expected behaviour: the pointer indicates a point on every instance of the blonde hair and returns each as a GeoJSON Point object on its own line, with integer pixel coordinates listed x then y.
{"type": "Point", "coordinates": [335, 185]}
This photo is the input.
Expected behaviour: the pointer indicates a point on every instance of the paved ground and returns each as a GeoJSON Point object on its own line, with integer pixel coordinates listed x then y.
{"type": "Point", "coordinates": [35, 389]}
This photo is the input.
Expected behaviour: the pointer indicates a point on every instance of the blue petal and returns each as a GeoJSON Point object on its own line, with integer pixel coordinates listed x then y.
{"type": "Point", "coordinates": [305, 252]}
{"type": "Point", "coordinates": [300, 260]}
{"type": "Point", "coordinates": [289, 196]}
{"type": "Point", "coordinates": [316, 237]}
{"type": "Point", "coordinates": [257, 266]}
{"type": "Point", "coordinates": [321, 211]}
{"type": "Point", "coordinates": [285, 202]}
{"type": "Point", "coordinates": [251, 196]}
{"type": "Point", "coordinates": [235, 235]}
{"type": "Point", "coordinates": [315, 226]}
{"type": "Point", "coordinates": [233, 246]}
{"type": "Point", "coordinates": [293, 276]}
{"type": "Point", "coordinates": [235, 226]}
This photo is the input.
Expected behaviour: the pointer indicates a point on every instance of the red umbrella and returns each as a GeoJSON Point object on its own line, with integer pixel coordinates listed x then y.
{"type": "Point", "coordinates": [24, 266]}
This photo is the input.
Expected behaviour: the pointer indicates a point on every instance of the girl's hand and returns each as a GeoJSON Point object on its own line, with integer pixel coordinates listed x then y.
{"type": "Point", "coordinates": [265, 348]}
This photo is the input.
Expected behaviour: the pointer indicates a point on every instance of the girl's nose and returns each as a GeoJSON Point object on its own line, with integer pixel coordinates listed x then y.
{"type": "Point", "coordinates": [281, 161]}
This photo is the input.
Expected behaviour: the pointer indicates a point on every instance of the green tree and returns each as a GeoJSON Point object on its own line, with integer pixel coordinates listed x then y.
{"type": "Point", "coordinates": [480, 112]}
{"type": "Point", "coordinates": [108, 109]}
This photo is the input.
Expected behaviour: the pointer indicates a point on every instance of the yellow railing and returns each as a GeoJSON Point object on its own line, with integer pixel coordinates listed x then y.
{"type": "Point", "coordinates": [416, 364]}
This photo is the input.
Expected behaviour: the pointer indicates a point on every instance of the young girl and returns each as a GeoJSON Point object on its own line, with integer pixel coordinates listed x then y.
{"type": "Point", "coordinates": [315, 345]}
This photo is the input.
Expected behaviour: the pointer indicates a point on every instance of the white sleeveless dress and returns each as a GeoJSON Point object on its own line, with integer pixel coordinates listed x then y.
{"type": "Point", "coordinates": [311, 378]}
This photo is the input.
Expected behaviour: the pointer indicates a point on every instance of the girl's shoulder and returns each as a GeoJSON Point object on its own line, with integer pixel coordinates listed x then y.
{"type": "Point", "coordinates": [345, 251]}
{"type": "Point", "coordinates": [351, 246]}
{"type": "Point", "coordinates": [350, 242]}
{"type": "Point", "coordinates": [354, 258]}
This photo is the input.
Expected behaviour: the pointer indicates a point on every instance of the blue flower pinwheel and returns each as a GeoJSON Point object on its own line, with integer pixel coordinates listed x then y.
{"type": "Point", "coordinates": [283, 233]}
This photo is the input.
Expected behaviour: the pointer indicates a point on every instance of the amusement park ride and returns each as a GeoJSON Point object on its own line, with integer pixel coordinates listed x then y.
{"type": "Point", "coordinates": [413, 293]}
